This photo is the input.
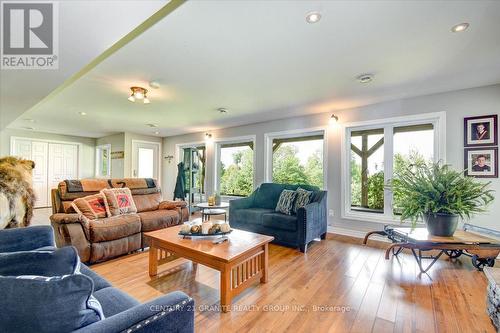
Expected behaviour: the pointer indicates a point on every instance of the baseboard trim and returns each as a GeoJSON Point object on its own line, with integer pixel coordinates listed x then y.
{"type": "Point", "coordinates": [354, 234]}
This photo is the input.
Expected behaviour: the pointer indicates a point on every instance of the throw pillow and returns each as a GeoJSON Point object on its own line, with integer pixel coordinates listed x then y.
{"type": "Point", "coordinates": [285, 202]}
{"type": "Point", "coordinates": [92, 206]}
{"type": "Point", "coordinates": [303, 198]}
{"type": "Point", "coordinates": [119, 201]}
{"type": "Point", "coordinates": [57, 262]}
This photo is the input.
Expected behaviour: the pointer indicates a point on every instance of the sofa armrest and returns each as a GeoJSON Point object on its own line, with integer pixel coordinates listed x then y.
{"type": "Point", "coordinates": [72, 230]}
{"type": "Point", "coordinates": [167, 204]}
{"type": "Point", "coordinates": [312, 221]}
{"type": "Point", "coordinates": [26, 239]}
{"type": "Point", "coordinates": [173, 312]}
{"type": "Point", "coordinates": [243, 203]}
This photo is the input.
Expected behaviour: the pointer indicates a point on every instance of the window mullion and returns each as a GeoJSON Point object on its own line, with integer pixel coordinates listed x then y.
{"type": "Point", "coordinates": [388, 168]}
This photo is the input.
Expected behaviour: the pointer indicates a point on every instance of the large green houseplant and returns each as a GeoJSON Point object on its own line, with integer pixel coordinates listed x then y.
{"type": "Point", "coordinates": [438, 195]}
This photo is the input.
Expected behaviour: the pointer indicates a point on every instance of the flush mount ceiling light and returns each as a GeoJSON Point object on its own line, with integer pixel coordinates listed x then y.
{"type": "Point", "coordinates": [82, 113]}
{"type": "Point", "coordinates": [313, 17]}
{"type": "Point", "coordinates": [154, 84]}
{"type": "Point", "coordinates": [365, 78]}
{"type": "Point", "coordinates": [139, 93]}
{"type": "Point", "coordinates": [460, 27]}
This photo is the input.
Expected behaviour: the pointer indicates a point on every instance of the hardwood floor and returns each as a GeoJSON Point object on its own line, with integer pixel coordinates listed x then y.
{"type": "Point", "coordinates": [336, 287]}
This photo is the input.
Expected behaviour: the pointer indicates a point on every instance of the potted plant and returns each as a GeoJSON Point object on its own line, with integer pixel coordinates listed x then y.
{"type": "Point", "coordinates": [438, 195]}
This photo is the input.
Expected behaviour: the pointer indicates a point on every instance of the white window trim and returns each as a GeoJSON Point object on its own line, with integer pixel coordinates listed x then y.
{"type": "Point", "coordinates": [217, 146]}
{"type": "Point", "coordinates": [438, 119]}
{"type": "Point", "coordinates": [268, 140]}
{"type": "Point", "coordinates": [97, 166]}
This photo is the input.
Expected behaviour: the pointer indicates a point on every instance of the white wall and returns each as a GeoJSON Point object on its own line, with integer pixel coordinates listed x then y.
{"type": "Point", "coordinates": [117, 142]}
{"type": "Point", "coordinates": [87, 155]}
{"type": "Point", "coordinates": [456, 104]}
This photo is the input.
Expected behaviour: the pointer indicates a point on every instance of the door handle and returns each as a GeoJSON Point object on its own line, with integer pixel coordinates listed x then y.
{"type": "Point", "coordinates": [135, 173]}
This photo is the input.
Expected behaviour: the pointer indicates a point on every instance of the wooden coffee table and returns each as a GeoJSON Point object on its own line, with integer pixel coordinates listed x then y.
{"type": "Point", "coordinates": [241, 260]}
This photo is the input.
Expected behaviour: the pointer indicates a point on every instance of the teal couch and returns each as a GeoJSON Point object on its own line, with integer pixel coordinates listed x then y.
{"type": "Point", "coordinates": [256, 213]}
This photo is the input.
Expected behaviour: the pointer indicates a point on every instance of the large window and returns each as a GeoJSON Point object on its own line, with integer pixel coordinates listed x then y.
{"type": "Point", "coordinates": [103, 161]}
{"type": "Point", "coordinates": [298, 159]}
{"type": "Point", "coordinates": [236, 168]}
{"type": "Point", "coordinates": [375, 152]}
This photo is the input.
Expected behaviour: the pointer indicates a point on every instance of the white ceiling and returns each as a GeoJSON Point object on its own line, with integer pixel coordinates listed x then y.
{"type": "Point", "coordinates": [262, 61]}
{"type": "Point", "coordinates": [86, 29]}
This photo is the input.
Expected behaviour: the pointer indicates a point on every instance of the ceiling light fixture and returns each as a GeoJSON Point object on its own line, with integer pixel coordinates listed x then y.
{"type": "Point", "coordinates": [157, 132]}
{"type": "Point", "coordinates": [222, 110]}
{"type": "Point", "coordinates": [30, 120]}
{"type": "Point", "coordinates": [460, 27]}
{"type": "Point", "coordinates": [139, 93]}
{"type": "Point", "coordinates": [152, 125]}
{"type": "Point", "coordinates": [313, 17]}
{"type": "Point", "coordinates": [154, 84]}
{"type": "Point", "coordinates": [365, 78]}
{"type": "Point", "coordinates": [81, 113]}
{"type": "Point", "coordinates": [333, 119]}
{"type": "Point", "coordinates": [208, 136]}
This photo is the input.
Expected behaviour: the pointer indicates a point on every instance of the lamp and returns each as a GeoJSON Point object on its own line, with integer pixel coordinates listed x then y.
{"type": "Point", "coordinates": [139, 93]}
{"type": "Point", "coordinates": [333, 119]}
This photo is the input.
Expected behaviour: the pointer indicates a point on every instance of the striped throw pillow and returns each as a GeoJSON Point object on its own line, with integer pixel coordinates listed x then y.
{"type": "Point", "coordinates": [286, 201]}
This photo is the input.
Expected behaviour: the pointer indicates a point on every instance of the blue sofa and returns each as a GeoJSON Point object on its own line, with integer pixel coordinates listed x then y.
{"type": "Point", "coordinates": [170, 313]}
{"type": "Point", "coordinates": [256, 213]}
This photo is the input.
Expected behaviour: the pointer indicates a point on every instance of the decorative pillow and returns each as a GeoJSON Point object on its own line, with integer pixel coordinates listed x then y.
{"type": "Point", "coordinates": [57, 262]}
{"type": "Point", "coordinates": [303, 198]}
{"type": "Point", "coordinates": [92, 206]}
{"type": "Point", "coordinates": [285, 202]}
{"type": "Point", "coordinates": [119, 201]}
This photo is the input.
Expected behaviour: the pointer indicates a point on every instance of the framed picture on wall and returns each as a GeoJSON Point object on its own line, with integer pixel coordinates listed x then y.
{"type": "Point", "coordinates": [481, 131]}
{"type": "Point", "coordinates": [481, 162]}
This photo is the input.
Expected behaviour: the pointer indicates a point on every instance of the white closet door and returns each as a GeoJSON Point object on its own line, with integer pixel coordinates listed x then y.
{"type": "Point", "coordinates": [39, 151]}
{"type": "Point", "coordinates": [63, 163]}
{"type": "Point", "coordinates": [22, 148]}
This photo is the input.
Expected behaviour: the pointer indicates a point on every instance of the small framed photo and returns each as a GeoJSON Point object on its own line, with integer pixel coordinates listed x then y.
{"type": "Point", "coordinates": [481, 131]}
{"type": "Point", "coordinates": [481, 162]}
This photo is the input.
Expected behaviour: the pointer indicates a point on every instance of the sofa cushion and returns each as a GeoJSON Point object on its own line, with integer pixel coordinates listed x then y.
{"type": "Point", "coordinates": [119, 201]}
{"type": "Point", "coordinates": [47, 263]}
{"type": "Point", "coordinates": [158, 219]}
{"type": "Point", "coordinates": [286, 201]}
{"type": "Point", "coordinates": [280, 221]}
{"type": "Point", "coordinates": [110, 249]}
{"type": "Point", "coordinates": [99, 282]}
{"type": "Point", "coordinates": [92, 206]}
{"type": "Point", "coordinates": [114, 301]}
{"type": "Point", "coordinates": [251, 215]}
{"type": "Point", "coordinates": [41, 304]}
{"type": "Point", "coordinates": [115, 227]}
{"type": "Point", "coordinates": [147, 202]}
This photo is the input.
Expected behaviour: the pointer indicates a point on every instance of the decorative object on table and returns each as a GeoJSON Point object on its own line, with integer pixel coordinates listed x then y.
{"type": "Point", "coordinates": [439, 196]}
{"type": "Point", "coordinates": [211, 200]}
{"type": "Point", "coordinates": [481, 131]}
{"type": "Point", "coordinates": [483, 250]}
{"type": "Point", "coordinates": [217, 198]}
{"type": "Point", "coordinates": [205, 228]}
{"type": "Point", "coordinates": [481, 162]}
{"type": "Point", "coordinates": [17, 198]}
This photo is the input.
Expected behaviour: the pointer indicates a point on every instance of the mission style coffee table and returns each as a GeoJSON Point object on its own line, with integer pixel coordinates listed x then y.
{"type": "Point", "coordinates": [241, 260]}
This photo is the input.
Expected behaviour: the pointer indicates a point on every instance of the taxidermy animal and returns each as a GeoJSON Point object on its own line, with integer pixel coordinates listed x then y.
{"type": "Point", "coordinates": [16, 192]}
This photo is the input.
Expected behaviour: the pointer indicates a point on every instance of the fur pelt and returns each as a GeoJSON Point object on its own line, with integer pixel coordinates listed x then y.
{"type": "Point", "coordinates": [16, 192]}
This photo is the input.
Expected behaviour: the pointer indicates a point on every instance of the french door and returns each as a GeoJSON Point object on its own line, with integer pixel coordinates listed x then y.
{"type": "Point", "coordinates": [54, 162]}
{"type": "Point", "coordinates": [145, 159]}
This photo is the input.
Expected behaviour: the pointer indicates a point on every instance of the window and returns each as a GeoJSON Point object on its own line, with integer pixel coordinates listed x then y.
{"type": "Point", "coordinates": [374, 151]}
{"type": "Point", "coordinates": [103, 161]}
{"type": "Point", "coordinates": [236, 168]}
{"type": "Point", "coordinates": [298, 159]}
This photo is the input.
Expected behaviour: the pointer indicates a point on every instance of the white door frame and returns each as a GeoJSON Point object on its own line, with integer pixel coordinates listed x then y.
{"type": "Point", "coordinates": [160, 153]}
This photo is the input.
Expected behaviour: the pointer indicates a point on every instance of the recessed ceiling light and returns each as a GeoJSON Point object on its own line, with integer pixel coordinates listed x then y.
{"type": "Point", "coordinates": [157, 132]}
{"type": "Point", "coordinates": [460, 27]}
{"type": "Point", "coordinates": [365, 78]}
{"type": "Point", "coordinates": [222, 110]}
{"type": "Point", "coordinates": [313, 17]}
{"type": "Point", "coordinates": [29, 120]}
{"type": "Point", "coordinates": [82, 113]}
{"type": "Point", "coordinates": [152, 125]}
